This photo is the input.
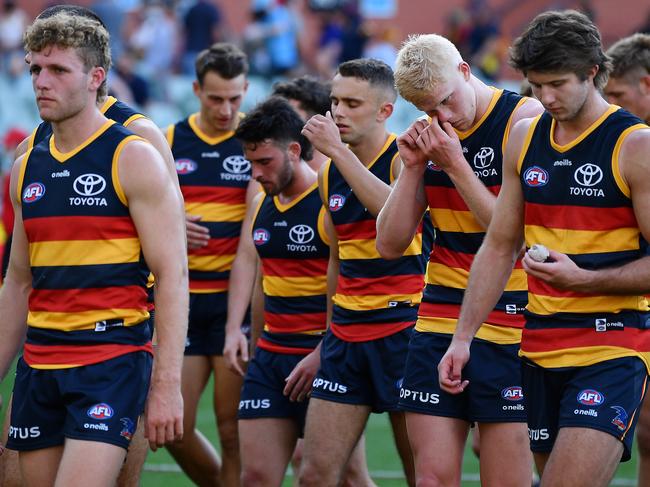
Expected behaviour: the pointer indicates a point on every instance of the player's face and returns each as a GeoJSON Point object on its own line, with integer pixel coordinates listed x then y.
{"type": "Point", "coordinates": [271, 165]}
{"type": "Point", "coordinates": [629, 95]}
{"type": "Point", "coordinates": [355, 107]}
{"type": "Point", "coordinates": [61, 83]}
{"type": "Point", "coordinates": [452, 101]}
{"type": "Point", "coordinates": [220, 100]}
{"type": "Point", "coordinates": [562, 94]}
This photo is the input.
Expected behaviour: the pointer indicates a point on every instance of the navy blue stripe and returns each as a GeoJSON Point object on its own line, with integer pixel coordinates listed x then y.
{"type": "Point", "coordinates": [466, 243]}
{"type": "Point", "coordinates": [342, 316]}
{"type": "Point", "coordinates": [295, 304]}
{"type": "Point", "coordinates": [607, 259]}
{"type": "Point", "coordinates": [448, 295]}
{"type": "Point", "coordinates": [223, 229]}
{"type": "Point", "coordinates": [128, 335]}
{"type": "Point", "coordinates": [208, 275]}
{"type": "Point", "coordinates": [293, 340]}
{"type": "Point", "coordinates": [374, 268]}
{"type": "Point", "coordinates": [575, 320]}
{"type": "Point", "coordinates": [87, 276]}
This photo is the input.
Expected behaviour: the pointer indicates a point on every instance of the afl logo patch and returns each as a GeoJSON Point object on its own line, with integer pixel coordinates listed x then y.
{"type": "Point", "coordinates": [33, 192]}
{"type": "Point", "coordinates": [590, 397]}
{"type": "Point", "coordinates": [185, 166]}
{"type": "Point", "coordinates": [336, 202]}
{"type": "Point", "coordinates": [535, 177]}
{"type": "Point", "coordinates": [261, 236]}
{"type": "Point", "coordinates": [513, 393]}
{"type": "Point", "coordinates": [100, 411]}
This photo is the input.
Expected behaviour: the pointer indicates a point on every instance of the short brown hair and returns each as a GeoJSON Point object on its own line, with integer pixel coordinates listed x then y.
{"type": "Point", "coordinates": [630, 56]}
{"type": "Point", "coordinates": [565, 41]}
{"type": "Point", "coordinates": [227, 60]}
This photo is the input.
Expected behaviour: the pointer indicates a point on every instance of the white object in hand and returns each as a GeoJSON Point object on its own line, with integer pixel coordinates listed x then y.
{"type": "Point", "coordinates": [538, 253]}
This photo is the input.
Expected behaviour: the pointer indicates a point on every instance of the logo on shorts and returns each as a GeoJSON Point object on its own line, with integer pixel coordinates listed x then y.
{"type": "Point", "coordinates": [620, 420]}
{"type": "Point", "coordinates": [261, 236]}
{"type": "Point", "coordinates": [100, 411]}
{"type": "Point", "coordinates": [535, 177]}
{"type": "Point", "coordinates": [186, 166]}
{"type": "Point", "coordinates": [538, 434]}
{"type": "Point", "coordinates": [513, 393]}
{"type": "Point", "coordinates": [33, 192]}
{"type": "Point", "coordinates": [329, 386]}
{"type": "Point", "coordinates": [336, 202]}
{"type": "Point", "coordinates": [129, 428]}
{"type": "Point", "coordinates": [419, 396]}
{"type": "Point", "coordinates": [590, 397]}
{"type": "Point", "coordinates": [19, 433]}
{"type": "Point", "coordinates": [254, 404]}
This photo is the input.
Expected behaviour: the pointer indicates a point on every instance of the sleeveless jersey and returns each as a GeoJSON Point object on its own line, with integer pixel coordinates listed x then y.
{"type": "Point", "coordinates": [458, 235]}
{"type": "Point", "coordinates": [88, 301]}
{"type": "Point", "coordinates": [577, 203]}
{"type": "Point", "coordinates": [374, 297]}
{"type": "Point", "coordinates": [111, 108]}
{"type": "Point", "coordinates": [290, 240]}
{"type": "Point", "coordinates": [213, 176]}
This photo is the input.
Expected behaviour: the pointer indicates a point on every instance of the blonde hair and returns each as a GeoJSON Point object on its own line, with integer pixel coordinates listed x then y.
{"type": "Point", "coordinates": [87, 36]}
{"type": "Point", "coordinates": [424, 62]}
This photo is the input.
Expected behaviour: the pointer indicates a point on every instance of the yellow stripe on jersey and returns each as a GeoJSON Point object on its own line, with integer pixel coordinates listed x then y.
{"type": "Point", "coordinates": [294, 286]}
{"type": "Point", "coordinates": [526, 144]}
{"type": "Point", "coordinates": [616, 170]}
{"type": "Point", "coordinates": [84, 252]}
{"type": "Point", "coordinates": [456, 277]}
{"type": "Point", "coordinates": [583, 356]}
{"type": "Point", "coordinates": [448, 220]}
{"type": "Point", "coordinates": [373, 302]}
{"type": "Point", "coordinates": [217, 212]}
{"type": "Point", "coordinates": [21, 177]}
{"type": "Point", "coordinates": [496, 334]}
{"type": "Point", "coordinates": [133, 118]}
{"type": "Point", "coordinates": [64, 156]}
{"type": "Point", "coordinates": [83, 320]}
{"type": "Point", "coordinates": [367, 248]}
{"type": "Point", "coordinates": [214, 263]}
{"type": "Point", "coordinates": [547, 305]}
{"type": "Point", "coordinates": [583, 241]}
{"type": "Point", "coordinates": [115, 170]}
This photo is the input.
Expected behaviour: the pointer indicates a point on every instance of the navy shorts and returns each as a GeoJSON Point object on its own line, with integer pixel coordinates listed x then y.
{"type": "Point", "coordinates": [494, 393]}
{"type": "Point", "coordinates": [100, 402]}
{"type": "Point", "coordinates": [206, 331]}
{"type": "Point", "coordinates": [261, 395]}
{"type": "Point", "coordinates": [368, 373]}
{"type": "Point", "coordinates": [605, 396]}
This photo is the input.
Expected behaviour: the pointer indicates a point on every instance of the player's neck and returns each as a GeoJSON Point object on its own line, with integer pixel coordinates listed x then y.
{"type": "Point", "coordinates": [594, 107]}
{"type": "Point", "coordinates": [303, 177]}
{"type": "Point", "coordinates": [72, 132]}
{"type": "Point", "coordinates": [484, 94]}
{"type": "Point", "coordinates": [209, 129]}
{"type": "Point", "coordinates": [367, 149]}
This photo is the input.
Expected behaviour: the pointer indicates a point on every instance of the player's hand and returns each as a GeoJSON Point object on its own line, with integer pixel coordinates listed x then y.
{"type": "Point", "coordinates": [197, 235]}
{"type": "Point", "coordinates": [163, 415]}
{"type": "Point", "coordinates": [409, 152]}
{"type": "Point", "coordinates": [559, 271]}
{"type": "Point", "coordinates": [451, 366]}
{"type": "Point", "coordinates": [440, 144]}
{"type": "Point", "coordinates": [298, 383]}
{"type": "Point", "coordinates": [323, 134]}
{"type": "Point", "coordinates": [235, 350]}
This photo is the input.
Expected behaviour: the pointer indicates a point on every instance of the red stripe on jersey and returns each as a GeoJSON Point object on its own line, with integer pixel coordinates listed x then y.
{"type": "Point", "coordinates": [73, 355]}
{"type": "Point", "coordinates": [552, 339]}
{"type": "Point", "coordinates": [363, 332]}
{"type": "Point", "coordinates": [579, 217]}
{"type": "Point", "coordinates": [295, 323]}
{"type": "Point", "coordinates": [272, 347]}
{"type": "Point", "coordinates": [76, 300]}
{"type": "Point", "coordinates": [541, 288]}
{"type": "Point", "coordinates": [451, 258]}
{"type": "Point", "coordinates": [452, 311]}
{"type": "Point", "coordinates": [361, 230]}
{"type": "Point", "coordinates": [197, 285]}
{"type": "Point", "coordinates": [212, 194]}
{"type": "Point", "coordinates": [294, 267]}
{"type": "Point", "coordinates": [388, 285]}
{"type": "Point", "coordinates": [450, 198]}
{"type": "Point", "coordinates": [79, 228]}
{"type": "Point", "coordinates": [217, 246]}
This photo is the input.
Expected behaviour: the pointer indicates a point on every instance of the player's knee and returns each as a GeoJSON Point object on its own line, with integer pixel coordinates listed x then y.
{"type": "Point", "coordinates": [229, 436]}
{"type": "Point", "coordinates": [310, 475]}
{"type": "Point", "coordinates": [643, 438]}
{"type": "Point", "coordinates": [254, 476]}
{"type": "Point", "coordinates": [433, 480]}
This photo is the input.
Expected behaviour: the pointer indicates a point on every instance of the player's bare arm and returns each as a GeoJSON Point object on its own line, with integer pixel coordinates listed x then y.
{"type": "Point", "coordinates": [240, 290]}
{"type": "Point", "coordinates": [156, 212]}
{"type": "Point", "coordinates": [15, 290]}
{"type": "Point", "coordinates": [491, 267]}
{"type": "Point", "coordinates": [323, 133]}
{"type": "Point", "coordinates": [399, 218]}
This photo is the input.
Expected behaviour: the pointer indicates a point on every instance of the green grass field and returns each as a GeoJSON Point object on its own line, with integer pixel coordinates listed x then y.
{"type": "Point", "coordinates": [161, 471]}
